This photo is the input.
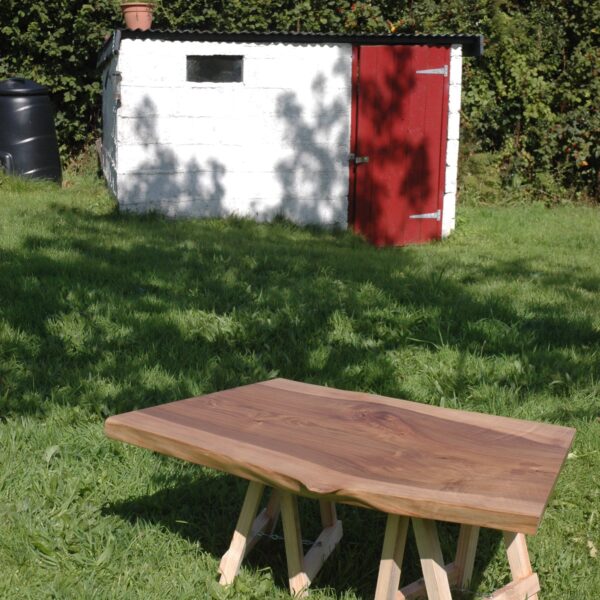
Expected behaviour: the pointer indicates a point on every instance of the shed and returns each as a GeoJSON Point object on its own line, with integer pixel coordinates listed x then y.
{"type": "Point", "coordinates": [331, 129]}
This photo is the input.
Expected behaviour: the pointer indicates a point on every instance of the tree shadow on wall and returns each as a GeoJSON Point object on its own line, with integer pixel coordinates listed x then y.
{"type": "Point", "coordinates": [161, 181]}
{"type": "Point", "coordinates": [401, 177]}
{"type": "Point", "coordinates": [313, 178]}
{"type": "Point", "coordinates": [396, 111]}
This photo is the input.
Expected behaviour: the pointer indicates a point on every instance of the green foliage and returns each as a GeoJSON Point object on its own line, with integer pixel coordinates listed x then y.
{"type": "Point", "coordinates": [272, 15]}
{"type": "Point", "coordinates": [55, 42]}
{"type": "Point", "coordinates": [532, 99]}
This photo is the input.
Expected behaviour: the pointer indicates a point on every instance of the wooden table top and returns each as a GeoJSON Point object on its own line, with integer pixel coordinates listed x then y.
{"type": "Point", "coordinates": [391, 455]}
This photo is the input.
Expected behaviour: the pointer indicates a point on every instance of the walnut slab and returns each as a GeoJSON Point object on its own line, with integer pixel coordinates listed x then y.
{"type": "Point", "coordinates": [391, 455]}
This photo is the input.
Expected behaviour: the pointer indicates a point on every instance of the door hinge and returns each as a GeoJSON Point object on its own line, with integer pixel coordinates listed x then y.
{"type": "Point", "coordinates": [437, 215]}
{"type": "Point", "coordinates": [439, 71]}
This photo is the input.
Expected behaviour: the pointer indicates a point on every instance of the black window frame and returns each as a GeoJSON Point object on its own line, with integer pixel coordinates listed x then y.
{"type": "Point", "coordinates": [200, 70]}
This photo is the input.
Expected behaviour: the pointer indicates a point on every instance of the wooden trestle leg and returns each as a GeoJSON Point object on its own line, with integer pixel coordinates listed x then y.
{"type": "Point", "coordinates": [437, 577]}
{"type": "Point", "coordinates": [464, 561]}
{"type": "Point", "coordinates": [248, 529]}
{"type": "Point", "coordinates": [242, 537]}
{"type": "Point", "coordinates": [459, 572]}
{"type": "Point", "coordinates": [525, 583]}
{"type": "Point", "coordinates": [390, 567]}
{"type": "Point", "coordinates": [301, 569]}
{"type": "Point", "coordinates": [290, 520]}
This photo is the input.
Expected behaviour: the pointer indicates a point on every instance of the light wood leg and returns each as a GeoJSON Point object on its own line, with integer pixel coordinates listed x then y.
{"type": "Point", "coordinates": [392, 554]}
{"type": "Point", "coordinates": [232, 559]}
{"type": "Point", "coordinates": [465, 554]}
{"type": "Point", "coordinates": [328, 513]}
{"type": "Point", "coordinates": [437, 577]}
{"type": "Point", "coordinates": [265, 522]}
{"type": "Point", "coordinates": [327, 541]}
{"type": "Point", "coordinates": [432, 562]}
{"type": "Point", "coordinates": [273, 510]}
{"type": "Point", "coordinates": [520, 566]}
{"type": "Point", "coordinates": [299, 581]}
{"type": "Point", "coordinates": [302, 569]}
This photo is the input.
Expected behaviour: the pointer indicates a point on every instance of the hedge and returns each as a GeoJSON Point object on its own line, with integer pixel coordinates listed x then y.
{"type": "Point", "coordinates": [532, 99]}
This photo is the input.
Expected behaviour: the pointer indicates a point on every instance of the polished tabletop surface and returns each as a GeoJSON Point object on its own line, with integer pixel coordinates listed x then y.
{"type": "Point", "coordinates": [392, 455]}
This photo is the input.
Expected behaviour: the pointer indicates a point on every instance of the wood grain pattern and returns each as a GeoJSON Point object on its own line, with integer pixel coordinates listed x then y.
{"type": "Point", "coordinates": [392, 455]}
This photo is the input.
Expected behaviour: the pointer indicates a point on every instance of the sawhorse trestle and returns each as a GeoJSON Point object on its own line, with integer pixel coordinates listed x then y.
{"type": "Point", "coordinates": [438, 578]}
{"type": "Point", "coordinates": [385, 453]}
{"type": "Point", "coordinates": [302, 569]}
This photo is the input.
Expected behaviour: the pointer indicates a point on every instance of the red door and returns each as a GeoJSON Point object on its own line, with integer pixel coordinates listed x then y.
{"type": "Point", "coordinates": [400, 113]}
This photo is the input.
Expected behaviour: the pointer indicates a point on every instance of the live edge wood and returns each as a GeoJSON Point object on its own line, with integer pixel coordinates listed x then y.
{"type": "Point", "coordinates": [391, 455]}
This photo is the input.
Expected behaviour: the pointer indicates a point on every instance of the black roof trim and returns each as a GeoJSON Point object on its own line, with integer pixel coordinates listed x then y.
{"type": "Point", "coordinates": [472, 44]}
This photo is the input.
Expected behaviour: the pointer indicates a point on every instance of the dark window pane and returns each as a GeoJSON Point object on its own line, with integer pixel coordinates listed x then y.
{"type": "Point", "coordinates": [218, 69]}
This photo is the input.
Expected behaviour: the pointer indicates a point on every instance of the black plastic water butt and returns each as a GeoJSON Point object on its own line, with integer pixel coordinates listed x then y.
{"type": "Point", "coordinates": [28, 144]}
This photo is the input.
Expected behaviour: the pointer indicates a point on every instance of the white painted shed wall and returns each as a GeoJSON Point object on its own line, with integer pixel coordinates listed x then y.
{"type": "Point", "coordinates": [277, 143]}
{"type": "Point", "coordinates": [454, 100]}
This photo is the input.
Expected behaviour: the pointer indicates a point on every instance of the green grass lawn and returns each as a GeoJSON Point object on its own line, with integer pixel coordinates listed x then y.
{"type": "Point", "coordinates": [102, 313]}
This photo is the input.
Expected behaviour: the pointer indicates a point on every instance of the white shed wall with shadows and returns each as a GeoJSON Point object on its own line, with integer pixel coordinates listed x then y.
{"type": "Point", "coordinates": [275, 144]}
{"type": "Point", "coordinates": [451, 175]}
{"type": "Point", "coordinates": [278, 142]}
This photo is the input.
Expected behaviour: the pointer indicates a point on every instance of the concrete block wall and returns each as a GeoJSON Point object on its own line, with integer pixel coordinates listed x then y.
{"type": "Point", "coordinates": [454, 99]}
{"type": "Point", "coordinates": [275, 144]}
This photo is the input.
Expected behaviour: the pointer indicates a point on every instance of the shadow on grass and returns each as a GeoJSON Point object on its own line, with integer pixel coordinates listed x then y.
{"type": "Point", "coordinates": [115, 312]}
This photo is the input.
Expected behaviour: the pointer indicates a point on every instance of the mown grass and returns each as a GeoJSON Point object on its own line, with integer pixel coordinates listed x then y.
{"type": "Point", "coordinates": [101, 313]}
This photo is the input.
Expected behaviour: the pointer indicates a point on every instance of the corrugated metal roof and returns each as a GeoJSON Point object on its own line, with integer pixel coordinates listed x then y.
{"type": "Point", "coordinates": [472, 44]}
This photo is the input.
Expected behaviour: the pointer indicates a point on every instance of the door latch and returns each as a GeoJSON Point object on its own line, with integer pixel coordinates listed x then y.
{"type": "Point", "coordinates": [358, 160]}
